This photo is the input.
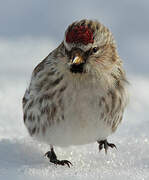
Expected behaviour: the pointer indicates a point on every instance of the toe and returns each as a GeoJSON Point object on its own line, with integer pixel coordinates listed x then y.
{"type": "Point", "coordinates": [100, 147]}
{"type": "Point", "coordinates": [47, 153]}
{"type": "Point", "coordinates": [66, 162]}
{"type": "Point", "coordinates": [104, 144]}
{"type": "Point", "coordinates": [106, 148]}
{"type": "Point", "coordinates": [112, 146]}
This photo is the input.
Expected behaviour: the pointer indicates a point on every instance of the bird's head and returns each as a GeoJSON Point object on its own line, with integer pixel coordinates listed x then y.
{"type": "Point", "coordinates": [89, 46]}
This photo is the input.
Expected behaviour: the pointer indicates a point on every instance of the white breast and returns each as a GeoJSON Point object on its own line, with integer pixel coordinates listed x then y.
{"type": "Point", "coordinates": [82, 123]}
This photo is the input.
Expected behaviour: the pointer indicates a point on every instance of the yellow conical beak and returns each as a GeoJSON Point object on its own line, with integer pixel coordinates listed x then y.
{"type": "Point", "coordinates": [77, 60]}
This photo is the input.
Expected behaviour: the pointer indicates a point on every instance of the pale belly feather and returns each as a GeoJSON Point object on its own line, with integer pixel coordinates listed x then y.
{"type": "Point", "coordinates": [82, 123]}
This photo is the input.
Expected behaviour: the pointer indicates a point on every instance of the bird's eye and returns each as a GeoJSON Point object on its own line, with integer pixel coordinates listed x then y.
{"type": "Point", "coordinates": [95, 49]}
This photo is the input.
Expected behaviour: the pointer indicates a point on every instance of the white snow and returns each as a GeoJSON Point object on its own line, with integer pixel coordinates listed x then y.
{"type": "Point", "coordinates": [22, 158]}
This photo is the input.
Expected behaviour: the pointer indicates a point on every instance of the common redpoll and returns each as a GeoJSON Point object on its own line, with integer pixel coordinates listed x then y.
{"type": "Point", "coordinates": [77, 94]}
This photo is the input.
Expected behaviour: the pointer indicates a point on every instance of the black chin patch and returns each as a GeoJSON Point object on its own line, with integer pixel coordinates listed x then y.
{"type": "Point", "coordinates": [77, 68]}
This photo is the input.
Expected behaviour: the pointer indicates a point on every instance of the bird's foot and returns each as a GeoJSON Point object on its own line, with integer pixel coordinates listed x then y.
{"type": "Point", "coordinates": [104, 144]}
{"type": "Point", "coordinates": [53, 159]}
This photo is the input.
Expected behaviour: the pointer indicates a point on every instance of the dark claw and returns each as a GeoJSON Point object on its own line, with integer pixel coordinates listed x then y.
{"type": "Point", "coordinates": [53, 159]}
{"type": "Point", "coordinates": [100, 146]}
{"type": "Point", "coordinates": [63, 162]}
{"type": "Point", "coordinates": [51, 154]}
{"type": "Point", "coordinates": [112, 145]}
{"type": "Point", "coordinates": [104, 144]}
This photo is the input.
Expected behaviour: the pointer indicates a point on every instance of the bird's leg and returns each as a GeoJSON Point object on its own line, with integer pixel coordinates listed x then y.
{"type": "Point", "coordinates": [104, 144]}
{"type": "Point", "coordinates": [53, 158]}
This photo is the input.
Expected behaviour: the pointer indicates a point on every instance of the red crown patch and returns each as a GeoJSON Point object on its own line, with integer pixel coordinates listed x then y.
{"type": "Point", "coordinates": [80, 34]}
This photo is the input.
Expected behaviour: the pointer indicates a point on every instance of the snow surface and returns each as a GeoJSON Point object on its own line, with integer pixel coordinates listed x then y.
{"type": "Point", "coordinates": [22, 158]}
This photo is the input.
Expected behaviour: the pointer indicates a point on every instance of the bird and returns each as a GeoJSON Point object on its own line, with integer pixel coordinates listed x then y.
{"type": "Point", "coordinates": [78, 93]}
